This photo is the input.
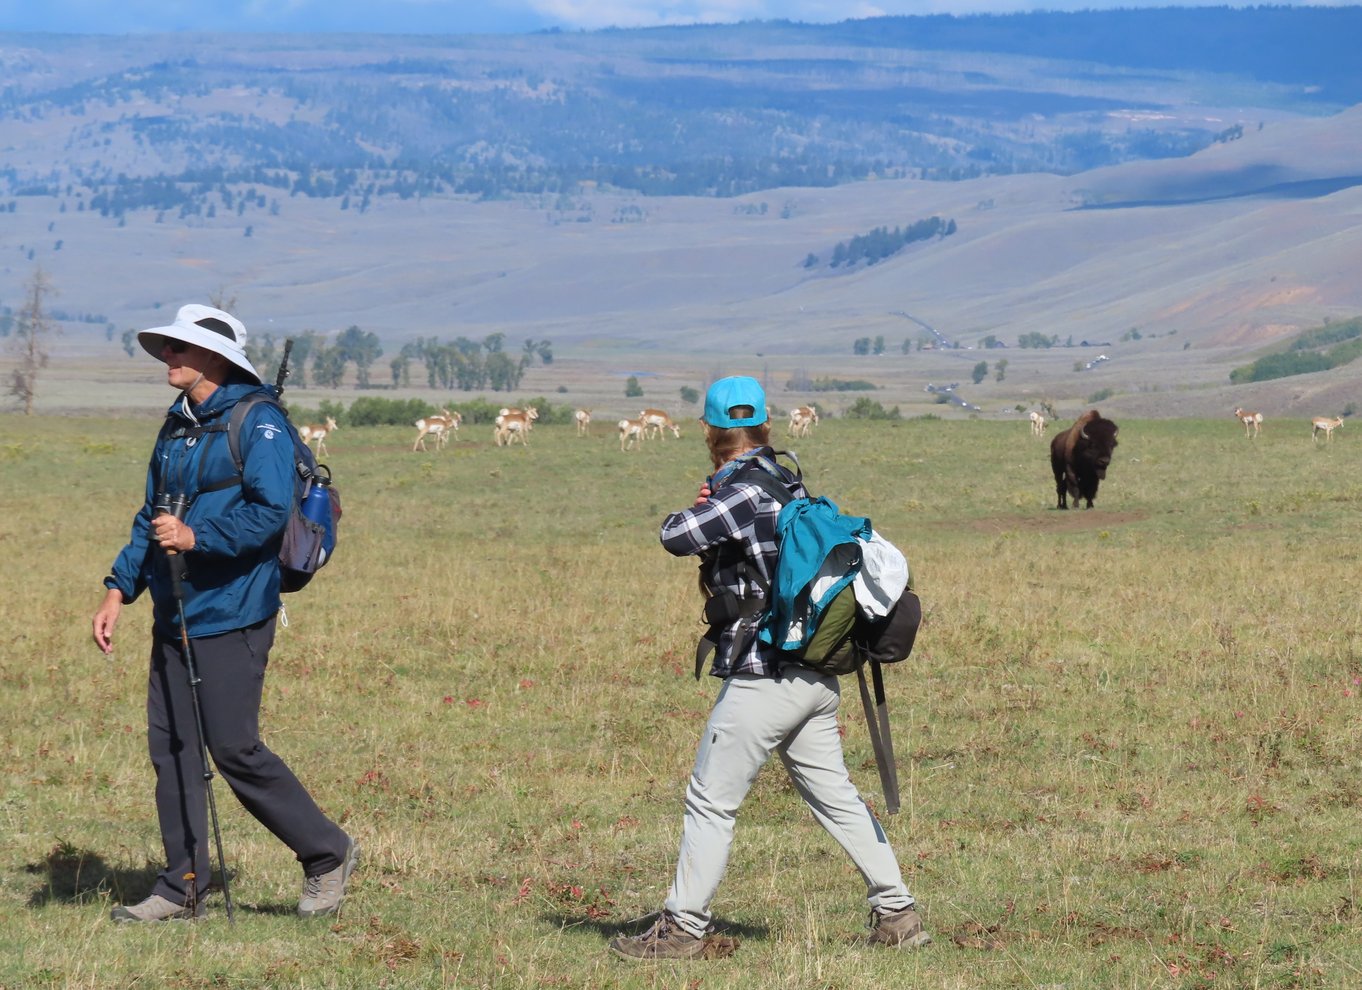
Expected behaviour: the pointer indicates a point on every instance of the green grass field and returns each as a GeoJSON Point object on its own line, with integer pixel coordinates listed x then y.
{"type": "Point", "coordinates": [1128, 740]}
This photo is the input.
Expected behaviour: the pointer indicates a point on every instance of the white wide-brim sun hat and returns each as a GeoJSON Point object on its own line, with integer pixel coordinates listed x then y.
{"type": "Point", "coordinates": [206, 327]}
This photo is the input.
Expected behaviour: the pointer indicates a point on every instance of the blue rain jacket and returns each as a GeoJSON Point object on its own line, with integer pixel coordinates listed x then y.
{"type": "Point", "coordinates": [232, 574]}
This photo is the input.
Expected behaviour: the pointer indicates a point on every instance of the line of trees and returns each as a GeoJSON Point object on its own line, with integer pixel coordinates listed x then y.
{"type": "Point", "coordinates": [882, 242]}
{"type": "Point", "coordinates": [461, 363]}
{"type": "Point", "coordinates": [468, 364]}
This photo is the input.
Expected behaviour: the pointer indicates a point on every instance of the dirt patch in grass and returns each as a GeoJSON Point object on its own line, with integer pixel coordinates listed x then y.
{"type": "Point", "coordinates": [1053, 521]}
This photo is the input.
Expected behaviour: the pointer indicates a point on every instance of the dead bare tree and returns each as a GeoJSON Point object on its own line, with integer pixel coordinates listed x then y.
{"type": "Point", "coordinates": [32, 327]}
{"type": "Point", "coordinates": [219, 299]}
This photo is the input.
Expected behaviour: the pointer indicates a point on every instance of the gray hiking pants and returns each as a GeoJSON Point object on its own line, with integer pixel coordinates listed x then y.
{"type": "Point", "coordinates": [796, 716]}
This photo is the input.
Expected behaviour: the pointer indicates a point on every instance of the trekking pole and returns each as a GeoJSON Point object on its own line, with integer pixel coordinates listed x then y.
{"type": "Point", "coordinates": [877, 726]}
{"type": "Point", "coordinates": [175, 505]}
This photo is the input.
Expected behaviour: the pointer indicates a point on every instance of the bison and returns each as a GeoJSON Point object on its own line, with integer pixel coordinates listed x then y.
{"type": "Point", "coordinates": [1080, 455]}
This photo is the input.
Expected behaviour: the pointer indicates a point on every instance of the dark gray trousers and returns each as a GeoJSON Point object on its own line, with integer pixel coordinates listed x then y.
{"type": "Point", "coordinates": [232, 674]}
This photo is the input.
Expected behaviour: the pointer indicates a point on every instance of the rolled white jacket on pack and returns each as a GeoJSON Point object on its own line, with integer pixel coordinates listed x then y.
{"type": "Point", "coordinates": [882, 577]}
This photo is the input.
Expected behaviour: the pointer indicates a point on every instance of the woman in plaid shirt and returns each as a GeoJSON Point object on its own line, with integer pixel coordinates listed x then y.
{"type": "Point", "coordinates": [766, 705]}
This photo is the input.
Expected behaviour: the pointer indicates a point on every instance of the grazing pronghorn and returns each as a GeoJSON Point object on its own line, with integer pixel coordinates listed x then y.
{"type": "Point", "coordinates": [438, 426]}
{"type": "Point", "coordinates": [513, 425]}
{"type": "Point", "coordinates": [583, 419]}
{"type": "Point", "coordinates": [313, 431]}
{"type": "Point", "coordinates": [1325, 425]}
{"type": "Point", "coordinates": [531, 414]}
{"type": "Point", "coordinates": [1037, 424]}
{"type": "Point", "coordinates": [802, 421]}
{"type": "Point", "coordinates": [632, 432]}
{"type": "Point", "coordinates": [1253, 422]}
{"type": "Point", "coordinates": [655, 421]}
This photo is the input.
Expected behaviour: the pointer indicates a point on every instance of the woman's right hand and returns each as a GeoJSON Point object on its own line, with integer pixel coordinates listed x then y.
{"type": "Point", "coordinates": [705, 493]}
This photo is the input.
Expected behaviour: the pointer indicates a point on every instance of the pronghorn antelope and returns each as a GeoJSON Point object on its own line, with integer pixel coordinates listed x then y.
{"type": "Point", "coordinates": [583, 419]}
{"type": "Point", "coordinates": [1253, 422]}
{"type": "Point", "coordinates": [513, 425]}
{"type": "Point", "coordinates": [531, 414]}
{"type": "Point", "coordinates": [1037, 424]}
{"type": "Point", "coordinates": [1325, 425]}
{"type": "Point", "coordinates": [802, 421]}
{"type": "Point", "coordinates": [314, 431]}
{"type": "Point", "coordinates": [438, 426]}
{"type": "Point", "coordinates": [632, 432]}
{"type": "Point", "coordinates": [655, 421]}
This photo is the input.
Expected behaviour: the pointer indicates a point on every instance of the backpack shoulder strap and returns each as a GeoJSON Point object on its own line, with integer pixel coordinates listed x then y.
{"type": "Point", "coordinates": [238, 417]}
{"type": "Point", "coordinates": [233, 429]}
{"type": "Point", "coordinates": [758, 478]}
{"type": "Point", "coordinates": [753, 474]}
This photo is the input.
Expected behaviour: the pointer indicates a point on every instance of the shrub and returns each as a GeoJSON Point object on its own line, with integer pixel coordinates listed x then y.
{"type": "Point", "coordinates": [477, 410]}
{"type": "Point", "coordinates": [305, 414]}
{"type": "Point", "coordinates": [801, 382]}
{"type": "Point", "coordinates": [865, 408]}
{"type": "Point", "coordinates": [1101, 395]}
{"type": "Point", "coordinates": [1300, 359]}
{"type": "Point", "coordinates": [372, 411]}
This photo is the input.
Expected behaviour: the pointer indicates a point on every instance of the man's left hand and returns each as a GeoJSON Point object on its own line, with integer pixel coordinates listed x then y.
{"type": "Point", "coordinates": [172, 534]}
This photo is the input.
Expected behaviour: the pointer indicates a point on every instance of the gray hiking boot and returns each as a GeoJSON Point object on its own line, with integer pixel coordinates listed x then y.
{"type": "Point", "coordinates": [157, 908]}
{"type": "Point", "coordinates": [899, 930]}
{"type": "Point", "coordinates": [665, 940]}
{"type": "Point", "coordinates": [323, 894]}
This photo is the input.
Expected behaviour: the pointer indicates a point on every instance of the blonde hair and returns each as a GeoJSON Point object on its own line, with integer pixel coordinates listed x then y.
{"type": "Point", "coordinates": [726, 443]}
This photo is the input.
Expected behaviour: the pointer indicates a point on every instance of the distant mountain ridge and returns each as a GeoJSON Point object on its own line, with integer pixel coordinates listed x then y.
{"type": "Point", "coordinates": [433, 188]}
{"type": "Point", "coordinates": [710, 110]}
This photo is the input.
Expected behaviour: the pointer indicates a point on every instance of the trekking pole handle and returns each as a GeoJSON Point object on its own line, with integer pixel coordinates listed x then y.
{"type": "Point", "coordinates": [283, 367]}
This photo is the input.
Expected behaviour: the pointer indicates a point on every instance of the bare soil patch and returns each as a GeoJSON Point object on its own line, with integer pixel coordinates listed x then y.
{"type": "Point", "coordinates": [1054, 521]}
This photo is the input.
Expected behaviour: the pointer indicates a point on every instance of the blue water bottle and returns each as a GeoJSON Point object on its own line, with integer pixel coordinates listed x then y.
{"type": "Point", "coordinates": [317, 508]}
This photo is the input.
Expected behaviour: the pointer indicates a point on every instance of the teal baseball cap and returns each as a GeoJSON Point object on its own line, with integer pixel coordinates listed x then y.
{"type": "Point", "coordinates": [738, 390]}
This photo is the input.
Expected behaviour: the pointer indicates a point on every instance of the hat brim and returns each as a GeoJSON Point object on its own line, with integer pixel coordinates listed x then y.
{"type": "Point", "coordinates": [153, 341]}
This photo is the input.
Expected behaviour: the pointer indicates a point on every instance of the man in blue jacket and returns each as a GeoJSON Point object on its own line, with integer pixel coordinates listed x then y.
{"type": "Point", "coordinates": [229, 536]}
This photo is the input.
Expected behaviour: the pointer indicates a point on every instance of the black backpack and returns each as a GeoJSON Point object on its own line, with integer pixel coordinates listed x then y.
{"type": "Point", "coordinates": [310, 533]}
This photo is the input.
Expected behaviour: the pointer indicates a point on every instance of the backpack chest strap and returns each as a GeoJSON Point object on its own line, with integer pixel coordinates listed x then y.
{"type": "Point", "coordinates": [192, 435]}
{"type": "Point", "coordinates": [232, 427]}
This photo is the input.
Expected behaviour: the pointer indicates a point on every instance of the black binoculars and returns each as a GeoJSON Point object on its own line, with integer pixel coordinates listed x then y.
{"type": "Point", "coordinates": [174, 505]}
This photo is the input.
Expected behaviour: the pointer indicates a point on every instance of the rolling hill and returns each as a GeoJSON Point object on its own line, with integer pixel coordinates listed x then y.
{"type": "Point", "coordinates": [1208, 257]}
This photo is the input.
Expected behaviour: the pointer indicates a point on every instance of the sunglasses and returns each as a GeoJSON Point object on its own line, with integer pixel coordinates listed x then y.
{"type": "Point", "coordinates": [177, 346]}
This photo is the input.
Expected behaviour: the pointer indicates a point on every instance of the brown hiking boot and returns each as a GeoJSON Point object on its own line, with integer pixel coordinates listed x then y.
{"type": "Point", "coordinates": [323, 894]}
{"type": "Point", "coordinates": [899, 930]}
{"type": "Point", "coordinates": [665, 940]}
{"type": "Point", "coordinates": [157, 908]}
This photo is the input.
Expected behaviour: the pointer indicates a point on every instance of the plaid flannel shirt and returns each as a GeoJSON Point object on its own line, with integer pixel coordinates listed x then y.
{"type": "Point", "coordinates": [736, 523]}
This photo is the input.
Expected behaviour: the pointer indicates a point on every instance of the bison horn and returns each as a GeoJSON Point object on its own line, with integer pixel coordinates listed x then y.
{"type": "Point", "coordinates": [1083, 434]}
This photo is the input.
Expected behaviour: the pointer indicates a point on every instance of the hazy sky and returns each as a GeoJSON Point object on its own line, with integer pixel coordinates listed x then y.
{"type": "Point", "coordinates": [472, 16]}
